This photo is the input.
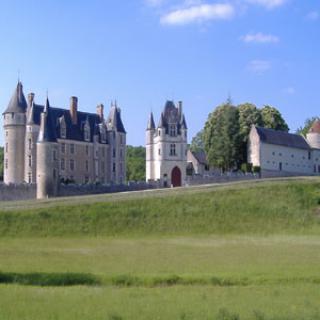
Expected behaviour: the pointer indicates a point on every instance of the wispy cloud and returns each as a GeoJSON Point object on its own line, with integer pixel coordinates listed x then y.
{"type": "Point", "coordinates": [313, 15]}
{"type": "Point", "coordinates": [199, 13]}
{"type": "Point", "coordinates": [259, 38]}
{"type": "Point", "coordinates": [289, 90]}
{"type": "Point", "coordinates": [259, 66]}
{"type": "Point", "coordinates": [269, 4]}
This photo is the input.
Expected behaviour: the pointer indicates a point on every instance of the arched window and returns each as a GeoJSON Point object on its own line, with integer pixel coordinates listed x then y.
{"type": "Point", "coordinates": [173, 130]}
{"type": "Point", "coordinates": [172, 149]}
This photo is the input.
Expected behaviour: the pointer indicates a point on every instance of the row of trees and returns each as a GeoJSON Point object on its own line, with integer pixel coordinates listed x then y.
{"type": "Point", "coordinates": [225, 135]}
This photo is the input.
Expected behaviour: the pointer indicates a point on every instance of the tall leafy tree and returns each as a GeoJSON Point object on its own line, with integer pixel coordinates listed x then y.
{"type": "Point", "coordinates": [249, 115]}
{"type": "Point", "coordinates": [136, 163]}
{"type": "Point", "coordinates": [272, 118]}
{"type": "Point", "coordinates": [197, 142]}
{"type": "Point", "coordinates": [307, 125]}
{"type": "Point", "coordinates": [221, 137]}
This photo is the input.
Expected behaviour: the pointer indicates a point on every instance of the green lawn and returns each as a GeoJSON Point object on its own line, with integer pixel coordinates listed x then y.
{"type": "Point", "coordinates": [239, 251]}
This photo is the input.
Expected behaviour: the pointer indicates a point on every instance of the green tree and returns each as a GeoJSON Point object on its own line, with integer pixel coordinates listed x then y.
{"type": "Point", "coordinates": [249, 115]}
{"type": "Point", "coordinates": [272, 118]}
{"type": "Point", "coordinates": [307, 125]}
{"type": "Point", "coordinates": [1, 163]}
{"type": "Point", "coordinates": [136, 163]}
{"type": "Point", "coordinates": [221, 137]}
{"type": "Point", "coordinates": [197, 142]}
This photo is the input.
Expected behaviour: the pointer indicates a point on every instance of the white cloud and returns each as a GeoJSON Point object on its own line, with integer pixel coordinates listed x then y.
{"type": "Point", "coordinates": [259, 66]}
{"type": "Point", "coordinates": [199, 13]}
{"type": "Point", "coordinates": [313, 15]}
{"type": "Point", "coordinates": [154, 3]}
{"type": "Point", "coordinates": [259, 38]}
{"type": "Point", "coordinates": [269, 4]}
{"type": "Point", "coordinates": [289, 90]}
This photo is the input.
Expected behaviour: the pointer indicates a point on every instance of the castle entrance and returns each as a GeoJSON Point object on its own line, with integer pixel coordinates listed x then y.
{"type": "Point", "coordinates": [176, 177]}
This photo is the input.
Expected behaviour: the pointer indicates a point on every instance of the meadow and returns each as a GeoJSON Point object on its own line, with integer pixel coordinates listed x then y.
{"type": "Point", "coordinates": [235, 251]}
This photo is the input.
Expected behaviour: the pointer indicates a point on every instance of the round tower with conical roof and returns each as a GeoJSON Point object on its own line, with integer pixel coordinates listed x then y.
{"type": "Point", "coordinates": [313, 136]}
{"type": "Point", "coordinates": [14, 123]}
{"type": "Point", "coordinates": [47, 156]}
{"type": "Point", "coordinates": [32, 132]}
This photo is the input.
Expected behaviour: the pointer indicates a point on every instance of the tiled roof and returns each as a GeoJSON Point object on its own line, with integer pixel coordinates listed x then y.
{"type": "Point", "coordinates": [282, 138]}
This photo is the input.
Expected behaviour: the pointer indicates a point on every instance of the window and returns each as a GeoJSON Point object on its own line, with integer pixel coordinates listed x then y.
{"type": "Point", "coordinates": [54, 155]}
{"type": "Point", "coordinates": [173, 130]}
{"type": "Point", "coordinates": [29, 177]}
{"type": "Point", "coordinates": [63, 148]}
{"type": "Point", "coordinates": [87, 165]}
{"type": "Point", "coordinates": [114, 152]}
{"type": "Point", "coordinates": [114, 168]}
{"type": "Point", "coordinates": [72, 148]}
{"type": "Point", "coordinates": [29, 144]}
{"type": "Point", "coordinates": [63, 130]}
{"type": "Point", "coordinates": [87, 150]}
{"type": "Point", "coordinates": [102, 167]}
{"type": "Point", "coordinates": [159, 152]}
{"type": "Point", "coordinates": [7, 133]}
{"type": "Point", "coordinates": [54, 173]}
{"type": "Point", "coordinates": [6, 164]}
{"type": "Point", "coordinates": [86, 133]}
{"type": "Point", "coordinates": [29, 161]}
{"type": "Point", "coordinates": [71, 165]}
{"type": "Point", "coordinates": [159, 133]}
{"type": "Point", "coordinates": [7, 147]}
{"type": "Point", "coordinates": [86, 179]}
{"type": "Point", "coordinates": [62, 164]}
{"type": "Point", "coordinates": [309, 155]}
{"type": "Point", "coordinates": [273, 153]}
{"type": "Point", "coordinates": [172, 149]}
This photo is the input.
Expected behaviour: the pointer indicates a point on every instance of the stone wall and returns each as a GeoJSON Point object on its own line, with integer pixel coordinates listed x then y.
{"type": "Point", "coordinates": [15, 192]}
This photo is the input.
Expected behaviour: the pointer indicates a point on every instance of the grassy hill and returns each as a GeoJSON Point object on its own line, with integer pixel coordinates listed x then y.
{"type": "Point", "coordinates": [248, 208]}
{"type": "Point", "coordinates": [240, 251]}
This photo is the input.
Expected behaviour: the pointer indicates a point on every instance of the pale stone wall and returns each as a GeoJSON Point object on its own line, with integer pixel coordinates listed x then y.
{"type": "Point", "coordinates": [30, 168]}
{"type": "Point", "coordinates": [14, 140]}
{"type": "Point", "coordinates": [253, 148]}
{"type": "Point", "coordinates": [313, 139]}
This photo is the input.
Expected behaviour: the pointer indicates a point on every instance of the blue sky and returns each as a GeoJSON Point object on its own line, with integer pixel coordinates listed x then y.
{"type": "Point", "coordinates": [143, 52]}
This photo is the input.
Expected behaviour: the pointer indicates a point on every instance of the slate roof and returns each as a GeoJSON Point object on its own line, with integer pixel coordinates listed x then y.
{"type": "Point", "coordinates": [282, 138]}
{"type": "Point", "coordinates": [200, 156]}
{"type": "Point", "coordinates": [18, 101]}
{"type": "Point", "coordinates": [47, 131]}
{"type": "Point", "coordinates": [151, 124]}
{"type": "Point", "coordinates": [172, 115]}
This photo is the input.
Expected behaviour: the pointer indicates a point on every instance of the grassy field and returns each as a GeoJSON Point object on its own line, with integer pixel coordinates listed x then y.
{"type": "Point", "coordinates": [239, 251]}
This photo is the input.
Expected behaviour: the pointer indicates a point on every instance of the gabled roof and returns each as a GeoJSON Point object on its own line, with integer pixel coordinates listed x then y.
{"type": "Point", "coordinates": [282, 138]}
{"type": "Point", "coordinates": [200, 156]}
{"type": "Point", "coordinates": [114, 121]}
{"type": "Point", "coordinates": [18, 101]}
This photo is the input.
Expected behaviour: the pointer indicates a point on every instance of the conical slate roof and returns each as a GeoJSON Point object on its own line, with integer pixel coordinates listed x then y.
{"type": "Point", "coordinates": [47, 129]}
{"type": "Point", "coordinates": [18, 103]}
{"type": "Point", "coordinates": [161, 121]}
{"type": "Point", "coordinates": [151, 124]}
{"type": "Point", "coordinates": [184, 123]}
{"type": "Point", "coordinates": [114, 120]}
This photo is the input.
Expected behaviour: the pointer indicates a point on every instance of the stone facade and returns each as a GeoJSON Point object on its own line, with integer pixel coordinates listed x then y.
{"type": "Point", "coordinates": [46, 145]}
{"type": "Point", "coordinates": [280, 152]}
{"type": "Point", "coordinates": [166, 147]}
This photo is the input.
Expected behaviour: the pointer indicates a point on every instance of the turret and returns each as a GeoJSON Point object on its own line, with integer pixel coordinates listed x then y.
{"type": "Point", "coordinates": [14, 124]}
{"type": "Point", "coordinates": [313, 136]}
{"type": "Point", "coordinates": [47, 156]}
{"type": "Point", "coordinates": [32, 132]}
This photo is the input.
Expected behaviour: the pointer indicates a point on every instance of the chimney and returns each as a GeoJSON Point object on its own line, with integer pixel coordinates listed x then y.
{"type": "Point", "coordinates": [180, 108]}
{"type": "Point", "coordinates": [100, 109]}
{"type": "Point", "coordinates": [30, 98]}
{"type": "Point", "coordinates": [74, 109]}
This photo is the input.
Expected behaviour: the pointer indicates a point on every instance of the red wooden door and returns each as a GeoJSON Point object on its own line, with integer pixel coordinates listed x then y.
{"type": "Point", "coordinates": [176, 177]}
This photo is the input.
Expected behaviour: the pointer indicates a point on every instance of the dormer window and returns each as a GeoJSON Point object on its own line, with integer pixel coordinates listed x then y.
{"type": "Point", "coordinates": [173, 130]}
{"type": "Point", "coordinates": [103, 135]}
{"type": "Point", "coordinates": [86, 132]}
{"type": "Point", "coordinates": [63, 128]}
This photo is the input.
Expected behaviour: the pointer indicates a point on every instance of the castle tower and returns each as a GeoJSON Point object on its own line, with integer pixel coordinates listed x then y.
{"type": "Point", "coordinates": [150, 132]}
{"type": "Point", "coordinates": [313, 136]}
{"type": "Point", "coordinates": [117, 141]}
{"type": "Point", "coordinates": [166, 147]}
{"type": "Point", "coordinates": [47, 156]}
{"type": "Point", "coordinates": [14, 120]}
{"type": "Point", "coordinates": [32, 132]}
